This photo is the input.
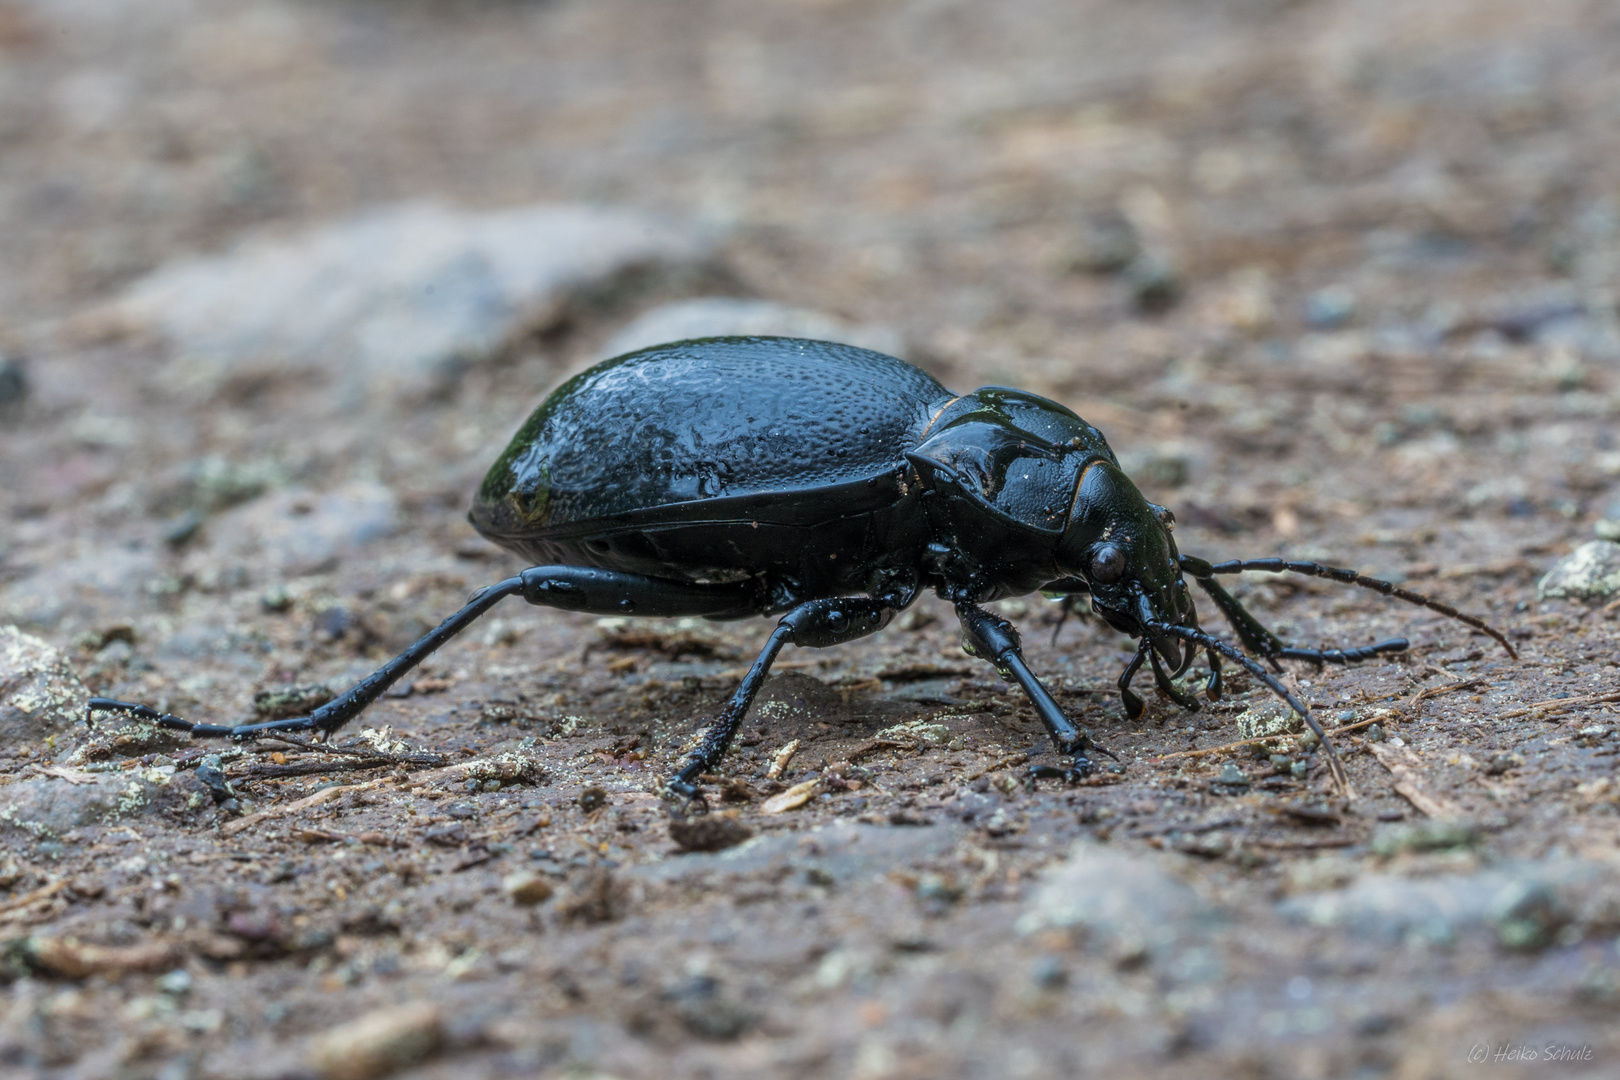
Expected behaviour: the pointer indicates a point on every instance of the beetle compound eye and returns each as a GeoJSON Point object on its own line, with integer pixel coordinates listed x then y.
{"type": "Point", "coordinates": [1108, 564]}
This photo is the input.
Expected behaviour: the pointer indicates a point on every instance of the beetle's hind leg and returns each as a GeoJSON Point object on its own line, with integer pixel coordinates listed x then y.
{"type": "Point", "coordinates": [572, 588]}
{"type": "Point", "coordinates": [340, 710]}
{"type": "Point", "coordinates": [814, 624]}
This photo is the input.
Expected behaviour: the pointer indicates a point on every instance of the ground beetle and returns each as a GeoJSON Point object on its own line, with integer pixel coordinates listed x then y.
{"type": "Point", "coordinates": [730, 477]}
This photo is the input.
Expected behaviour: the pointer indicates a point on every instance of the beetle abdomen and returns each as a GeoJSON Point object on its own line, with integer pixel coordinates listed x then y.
{"type": "Point", "coordinates": [715, 418]}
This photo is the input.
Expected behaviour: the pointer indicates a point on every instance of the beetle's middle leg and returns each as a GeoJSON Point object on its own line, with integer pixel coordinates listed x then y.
{"type": "Point", "coordinates": [814, 624]}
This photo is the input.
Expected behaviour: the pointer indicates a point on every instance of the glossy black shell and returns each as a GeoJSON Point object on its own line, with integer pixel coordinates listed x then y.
{"type": "Point", "coordinates": [723, 459]}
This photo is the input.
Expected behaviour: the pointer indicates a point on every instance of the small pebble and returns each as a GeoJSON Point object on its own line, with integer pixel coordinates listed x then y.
{"type": "Point", "coordinates": [379, 1043]}
{"type": "Point", "coordinates": [1050, 973]}
{"type": "Point", "coordinates": [1590, 572]}
{"type": "Point", "coordinates": [1154, 283]}
{"type": "Point", "coordinates": [87, 887]}
{"type": "Point", "coordinates": [1527, 915]}
{"type": "Point", "coordinates": [283, 702]}
{"type": "Point", "coordinates": [40, 694]}
{"type": "Point", "coordinates": [275, 600]}
{"type": "Point", "coordinates": [176, 982]}
{"type": "Point", "coordinates": [527, 888]}
{"type": "Point", "coordinates": [1231, 774]}
{"type": "Point", "coordinates": [13, 384]}
{"type": "Point", "coordinates": [1330, 308]}
{"type": "Point", "coordinates": [1424, 836]}
{"type": "Point", "coordinates": [1105, 243]}
{"type": "Point", "coordinates": [709, 832]}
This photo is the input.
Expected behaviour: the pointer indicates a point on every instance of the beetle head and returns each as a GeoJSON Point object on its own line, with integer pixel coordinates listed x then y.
{"type": "Point", "coordinates": [1120, 545]}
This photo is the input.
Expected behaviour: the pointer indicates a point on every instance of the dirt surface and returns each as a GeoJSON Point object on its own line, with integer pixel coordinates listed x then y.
{"type": "Point", "coordinates": [1337, 279]}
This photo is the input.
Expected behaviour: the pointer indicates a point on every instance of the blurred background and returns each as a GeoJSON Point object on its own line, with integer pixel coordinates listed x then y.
{"type": "Point", "coordinates": [278, 278]}
{"type": "Point", "coordinates": [1104, 202]}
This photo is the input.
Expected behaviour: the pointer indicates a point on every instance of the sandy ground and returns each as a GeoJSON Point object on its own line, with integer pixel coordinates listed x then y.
{"type": "Point", "coordinates": [1337, 279]}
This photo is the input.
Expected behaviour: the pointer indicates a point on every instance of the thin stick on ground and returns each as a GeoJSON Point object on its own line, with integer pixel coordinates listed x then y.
{"type": "Point", "coordinates": [1357, 726]}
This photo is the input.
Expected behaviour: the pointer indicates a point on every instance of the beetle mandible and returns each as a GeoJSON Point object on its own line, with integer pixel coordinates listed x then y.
{"type": "Point", "coordinates": [831, 485]}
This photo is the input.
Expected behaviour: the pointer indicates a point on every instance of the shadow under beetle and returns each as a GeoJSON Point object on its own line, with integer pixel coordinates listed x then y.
{"type": "Point", "coordinates": [731, 477]}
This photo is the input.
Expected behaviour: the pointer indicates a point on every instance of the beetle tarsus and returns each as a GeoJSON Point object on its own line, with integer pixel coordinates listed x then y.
{"type": "Point", "coordinates": [1134, 706]}
{"type": "Point", "coordinates": [680, 787]}
{"type": "Point", "coordinates": [1213, 689]}
{"type": "Point", "coordinates": [1078, 769]}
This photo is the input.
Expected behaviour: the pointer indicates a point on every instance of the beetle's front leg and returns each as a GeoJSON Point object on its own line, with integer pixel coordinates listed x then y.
{"type": "Point", "coordinates": [815, 624]}
{"type": "Point", "coordinates": [1167, 686]}
{"type": "Point", "coordinates": [1127, 696]}
{"type": "Point", "coordinates": [996, 640]}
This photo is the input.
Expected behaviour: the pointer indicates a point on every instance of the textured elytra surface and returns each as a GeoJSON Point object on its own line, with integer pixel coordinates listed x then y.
{"type": "Point", "coordinates": [702, 420]}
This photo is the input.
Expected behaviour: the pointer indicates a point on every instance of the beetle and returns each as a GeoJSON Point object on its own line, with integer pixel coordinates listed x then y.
{"type": "Point", "coordinates": [830, 485]}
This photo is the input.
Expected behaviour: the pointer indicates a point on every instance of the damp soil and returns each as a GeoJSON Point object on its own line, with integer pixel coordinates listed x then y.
{"type": "Point", "coordinates": [1336, 279]}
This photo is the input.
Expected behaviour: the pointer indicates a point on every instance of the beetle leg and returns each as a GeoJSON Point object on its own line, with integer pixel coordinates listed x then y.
{"type": "Point", "coordinates": [1068, 592]}
{"type": "Point", "coordinates": [340, 710]}
{"type": "Point", "coordinates": [573, 588]}
{"type": "Point", "coordinates": [1213, 688]}
{"type": "Point", "coordinates": [1065, 609]}
{"type": "Point", "coordinates": [1162, 680]}
{"type": "Point", "coordinates": [815, 624]}
{"type": "Point", "coordinates": [996, 640]}
{"type": "Point", "coordinates": [1133, 704]}
{"type": "Point", "coordinates": [717, 738]}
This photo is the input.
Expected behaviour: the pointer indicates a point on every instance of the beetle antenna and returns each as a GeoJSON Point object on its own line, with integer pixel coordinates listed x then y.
{"type": "Point", "coordinates": [1347, 577]}
{"type": "Point", "coordinates": [1187, 633]}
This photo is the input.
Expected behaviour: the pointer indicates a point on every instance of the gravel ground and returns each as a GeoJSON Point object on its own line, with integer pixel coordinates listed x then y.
{"type": "Point", "coordinates": [1337, 278]}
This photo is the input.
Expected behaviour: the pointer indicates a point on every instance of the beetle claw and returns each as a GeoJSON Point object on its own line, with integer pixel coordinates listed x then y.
{"type": "Point", "coordinates": [1078, 769]}
{"type": "Point", "coordinates": [678, 789]}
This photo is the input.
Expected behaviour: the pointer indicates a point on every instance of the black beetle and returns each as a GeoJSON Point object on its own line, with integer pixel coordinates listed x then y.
{"type": "Point", "coordinates": [729, 477]}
